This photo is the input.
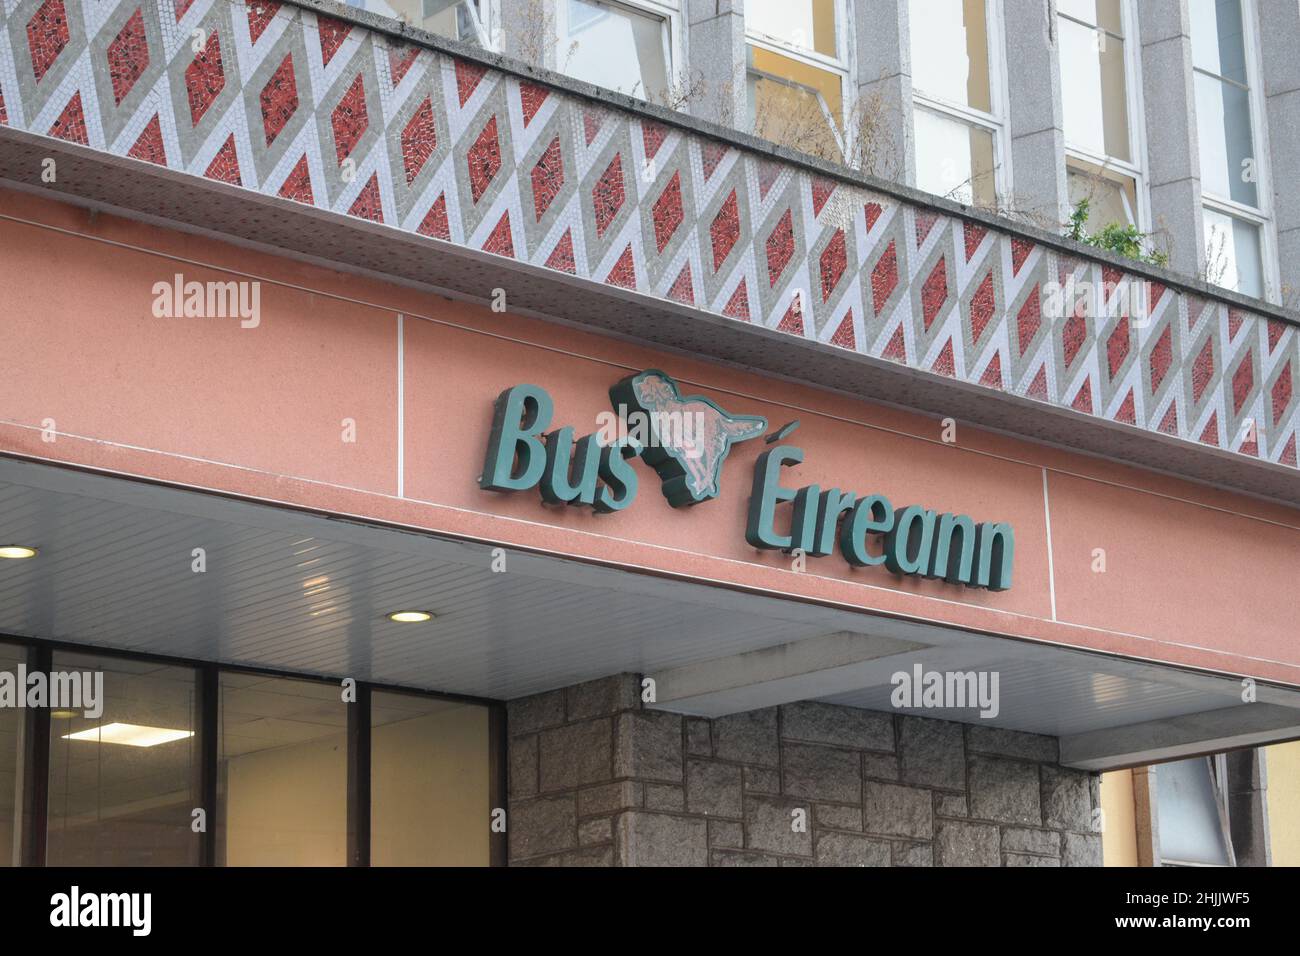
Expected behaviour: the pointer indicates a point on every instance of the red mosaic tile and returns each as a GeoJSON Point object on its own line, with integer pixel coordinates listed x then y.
{"type": "Point", "coordinates": [1127, 412]}
{"type": "Point", "coordinates": [501, 242]}
{"type": "Point", "coordinates": [844, 336]}
{"type": "Point", "coordinates": [368, 204]}
{"type": "Point", "coordinates": [561, 256]}
{"type": "Point", "coordinates": [484, 160]}
{"type": "Point", "coordinates": [1038, 387]}
{"type": "Point", "coordinates": [205, 78]}
{"type": "Point", "coordinates": [780, 247]}
{"type": "Point", "coordinates": [992, 377]}
{"type": "Point", "coordinates": [350, 119]}
{"type": "Point", "coordinates": [924, 223]}
{"type": "Point", "coordinates": [792, 321]}
{"type": "Point", "coordinates": [1288, 456]}
{"type": "Point", "coordinates": [1110, 280]}
{"type": "Point", "coordinates": [47, 36]}
{"type": "Point", "coordinates": [128, 57]}
{"type": "Point", "coordinates": [182, 8]}
{"type": "Point", "coordinates": [1243, 381]}
{"type": "Point", "coordinates": [297, 185]}
{"type": "Point", "coordinates": [1083, 401]}
{"type": "Point", "coordinates": [607, 195]}
{"type": "Point", "coordinates": [768, 172]}
{"type": "Point", "coordinates": [1118, 344]}
{"type": "Point", "coordinates": [1074, 335]}
{"type": "Point", "coordinates": [682, 290]}
{"type": "Point", "coordinates": [834, 260]}
{"type": "Point", "coordinates": [1203, 369]}
{"type": "Point", "coordinates": [332, 34]}
{"type": "Point", "coordinates": [982, 305]}
{"type": "Point", "coordinates": [419, 140]}
{"type": "Point", "coordinates": [710, 155]}
{"type": "Point", "coordinates": [4, 116]}
{"type": "Point", "coordinates": [468, 76]}
{"type": "Point", "coordinates": [1249, 445]}
{"type": "Point", "coordinates": [737, 306]}
{"type": "Point", "coordinates": [667, 211]}
{"type": "Point", "coordinates": [224, 167]}
{"type": "Point", "coordinates": [260, 15]}
{"type": "Point", "coordinates": [624, 272]}
{"type": "Point", "coordinates": [1210, 436]}
{"type": "Point", "coordinates": [1162, 356]}
{"type": "Point", "coordinates": [1169, 424]}
{"type": "Point", "coordinates": [1020, 250]}
{"type": "Point", "coordinates": [1234, 323]}
{"type": "Point", "coordinates": [1154, 291]}
{"type": "Point", "coordinates": [725, 230]}
{"type": "Point", "coordinates": [531, 98]}
{"type": "Point", "coordinates": [973, 236]}
{"type": "Point", "coordinates": [71, 124]}
{"type": "Point", "coordinates": [1029, 320]}
{"type": "Point", "coordinates": [652, 137]}
{"type": "Point", "coordinates": [821, 192]}
{"type": "Point", "coordinates": [279, 99]}
{"type": "Point", "coordinates": [591, 123]}
{"type": "Point", "coordinates": [149, 144]}
{"type": "Point", "coordinates": [548, 178]}
{"type": "Point", "coordinates": [1275, 332]}
{"type": "Point", "coordinates": [934, 293]}
{"type": "Point", "coordinates": [434, 224]}
{"type": "Point", "coordinates": [944, 364]}
{"type": "Point", "coordinates": [400, 61]}
{"type": "Point", "coordinates": [896, 349]}
{"type": "Point", "coordinates": [873, 211]}
{"type": "Point", "coordinates": [884, 278]}
{"type": "Point", "coordinates": [1281, 394]}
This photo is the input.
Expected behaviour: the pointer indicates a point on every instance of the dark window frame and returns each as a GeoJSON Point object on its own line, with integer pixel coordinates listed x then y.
{"type": "Point", "coordinates": [36, 755]}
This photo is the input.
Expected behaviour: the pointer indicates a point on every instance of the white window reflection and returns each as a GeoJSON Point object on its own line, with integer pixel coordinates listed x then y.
{"type": "Point", "coordinates": [950, 58]}
{"type": "Point", "coordinates": [1233, 256]}
{"type": "Point", "coordinates": [617, 48]}
{"type": "Point", "coordinates": [807, 24]}
{"type": "Point", "coordinates": [954, 159]}
{"type": "Point", "coordinates": [466, 20]}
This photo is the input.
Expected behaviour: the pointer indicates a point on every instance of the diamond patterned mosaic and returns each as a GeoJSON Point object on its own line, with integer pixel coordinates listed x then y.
{"type": "Point", "coordinates": [274, 98]}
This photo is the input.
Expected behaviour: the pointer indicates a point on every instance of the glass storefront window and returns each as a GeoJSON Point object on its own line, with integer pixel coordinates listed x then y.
{"type": "Point", "coordinates": [429, 780]}
{"type": "Point", "coordinates": [1233, 253]}
{"type": "Point", "coordinates": [282, 774]}
{"type": "Point", "coordinates": [615, 47]}
{"type": "Point", "coordinates": [124, 784]}
{"type": "Point", "coordinates": [794, 103]}
{"type": "Point", "coordinates": [12, 745]}
{"type": "Point", "coordinates": [807, 24]}
{"type": "Point", "coordinates": [954, 159]}
{"type": "Point", "coordinates": [950, 51]}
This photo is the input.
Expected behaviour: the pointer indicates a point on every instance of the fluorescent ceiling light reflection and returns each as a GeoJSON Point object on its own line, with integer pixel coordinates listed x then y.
{"type": "Point", "coordinates": [132, 735]}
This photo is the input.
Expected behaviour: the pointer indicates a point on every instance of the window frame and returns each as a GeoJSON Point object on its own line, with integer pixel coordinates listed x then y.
{"type": "Point", "coordinates": [32, 840]}
{"type": "Point", "coordinates": [842, 65]}
{"type": "Point", "coordinates": [994, 122]}
{"type": "Point", "coordinates": [1261, 216]}
{"type": "Point", "coordinates": [1137, 168]}
{"type": "Point", "coordinates": [670, 11]}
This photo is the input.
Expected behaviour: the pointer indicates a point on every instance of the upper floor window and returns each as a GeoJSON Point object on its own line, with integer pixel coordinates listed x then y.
{"type": "Point", "coordinates": [1099, 93]}
{"type": "Point", "coordinates": [797, 75]}
{"type": "Point", "coordinates": [627, 47]}
{"type": "Point", "coordinates": [957, 115]}
{"type": "Point", "coordinates": [1236, 215]}
{"type": "Point", "coordinates": [473, 21]}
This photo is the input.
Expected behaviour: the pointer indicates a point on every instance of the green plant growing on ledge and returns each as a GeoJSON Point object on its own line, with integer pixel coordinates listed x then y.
{"type": "Point", "coordinates": [1126, 241]}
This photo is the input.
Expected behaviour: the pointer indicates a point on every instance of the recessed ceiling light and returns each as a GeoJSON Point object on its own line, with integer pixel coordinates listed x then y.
{"type": "Point", "coordinates": [133, 735]}
{"type": "Point", "coordinates": [16, 551]}
{"type": "Point", "coordinates": [409, 617]}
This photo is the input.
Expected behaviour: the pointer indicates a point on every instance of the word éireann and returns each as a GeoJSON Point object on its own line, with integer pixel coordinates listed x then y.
{"type": "Point", "coordinates": [869, 530]}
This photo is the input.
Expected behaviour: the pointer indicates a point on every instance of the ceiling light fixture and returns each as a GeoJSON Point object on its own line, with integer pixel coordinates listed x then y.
{"type": "Point", "coordinates": [409, 617]}
{"type": "Point", "coordinates": [16, 551]}
{"type": "Point", "coordinates": [132, 735]}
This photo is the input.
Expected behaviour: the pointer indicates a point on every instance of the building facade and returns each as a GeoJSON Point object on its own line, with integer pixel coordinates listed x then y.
{"type": "Point", "coordinates": [665, 432]}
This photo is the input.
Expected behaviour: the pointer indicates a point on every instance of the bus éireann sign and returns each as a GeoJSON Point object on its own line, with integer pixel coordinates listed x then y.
{"type": "Point", "coordinates": [686, 440]}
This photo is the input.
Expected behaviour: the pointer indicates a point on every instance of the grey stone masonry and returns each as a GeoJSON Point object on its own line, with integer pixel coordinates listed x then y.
{"type": "Point", "coordinates": [597, 779]}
